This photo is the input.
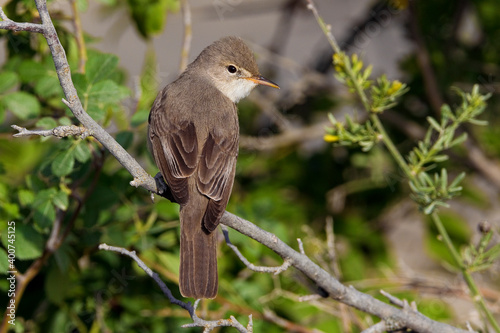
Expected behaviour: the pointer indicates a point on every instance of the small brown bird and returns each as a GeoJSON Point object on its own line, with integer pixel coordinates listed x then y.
{"type": "Point", "coordinates": [194, 134]}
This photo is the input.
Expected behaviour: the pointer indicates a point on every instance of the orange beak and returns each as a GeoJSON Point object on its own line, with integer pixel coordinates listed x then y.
{"type": "Point", "coordinates": [262, 80]}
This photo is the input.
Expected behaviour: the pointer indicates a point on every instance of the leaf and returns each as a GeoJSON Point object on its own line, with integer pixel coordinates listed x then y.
{"type": "Point", "coordinates": [29, 243]}
{"type": "Point", "coordinates": [46, 123]}
{"type": "Point", "coordinates": [4, 266]}
{"type": "Point", "coordinates": [45, 213]}
{"type": "Point", "coordinates": [56, 285]}
{"type": "Point", "coordinates": [63, 163]}
{"type": "Point", "coordinates": [31, 71]}
{"type": "Point", "coordinates": [99, 66]}
{"type": "Point", "coordinates": [82, 152]}
{"type": "Point", "coordinates": [23, 105]}
{"type": "Point", "coordinates": [2, 111]}
{"type": "Point", "coordinates": [48, 86]}
{"type": "Point", "coordinates": [139, 118]}
{"type": "Point", "coordinates": [125, 138]}
{"type": "Point", "coordinates": [60, 200]}
{"type": "Point", "coordinates": [106, 91]}
{"type": "Point", "coordinates": [26, 197]}
{"type": "Point", "coordinates": [7, 81]}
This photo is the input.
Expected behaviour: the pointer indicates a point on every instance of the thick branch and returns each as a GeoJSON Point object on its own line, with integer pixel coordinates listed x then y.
{"type": "Point", "coordinates": [335, 289]}
{"type": "Point", "coordinates": [141, 177]}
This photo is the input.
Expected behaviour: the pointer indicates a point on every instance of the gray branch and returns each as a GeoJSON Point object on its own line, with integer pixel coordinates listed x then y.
{"type": "Point", "coordinates": [209, 325]}
{"type": "Point", "coordinates": [335, 290]}
{"type": "Point", "coordinates": [58, 132]}
{"type": "Point", "coordinates": [261, 269]}
{"type": "Point", "coordinates": [8, 24]}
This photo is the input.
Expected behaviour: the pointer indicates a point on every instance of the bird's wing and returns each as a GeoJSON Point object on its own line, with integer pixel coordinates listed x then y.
{"type": "Point", "coordinates": [175, 149]}
{"type": "Point", "coordinates": [216, 170]}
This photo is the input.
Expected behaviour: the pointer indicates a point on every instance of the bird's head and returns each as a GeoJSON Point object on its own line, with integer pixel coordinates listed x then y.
{"type": "Point", "coordinates": [231, 66]}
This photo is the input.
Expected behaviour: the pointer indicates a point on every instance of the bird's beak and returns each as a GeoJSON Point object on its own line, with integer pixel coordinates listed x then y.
{"type": "Point", "coordinates": [262, 80]}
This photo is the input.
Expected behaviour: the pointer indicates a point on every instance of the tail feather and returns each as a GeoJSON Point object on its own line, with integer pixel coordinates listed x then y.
{"type": "Point", "coordinates": [198, 256]}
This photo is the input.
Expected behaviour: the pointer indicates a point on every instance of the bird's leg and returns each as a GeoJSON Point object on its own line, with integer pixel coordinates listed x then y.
{"type": "Point", "coordinates": [163, 189]}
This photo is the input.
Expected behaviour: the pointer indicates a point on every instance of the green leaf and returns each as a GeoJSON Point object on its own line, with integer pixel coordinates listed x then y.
{"type": "Point", "coordinates": [99, 66]}
{"type": "Point", "coordinates": [45, 213]}
{"type": "Point", "coordinates": [63, 163]}
{"type": "Point", "coordinates": [139, 118]}
{"type": "Point", "coordinates": [46, 123]}
{"type": "Point", "coordinates": [22, 104]}
{"type": "Point", "coordinates": [57, 285]}
{"type": "Point", "coordinates": [4, 266]}
{"type": "Point", "coordinates": [48, 86]}
{"type": "Point", "coordinates": [65, 121]}
{"type": "Point", "coordinates": [2, 111]}
{"type": "Point", "coordinates": [82, 152]}
{"type": "Point", "coordinates": [60, 200]}
{"type": "Point", "coordinates": [7, 81]}
{"type": "Point", "coordinates": [31, 71]}
{"type": "Point", "coordinates": [26, 197]}
{"type": "Point", "coordinates": [125, 138]}
{"type": "Point", "coordinates": [29, 243]}
{"type": "Point", "coordinates": [106, 91]}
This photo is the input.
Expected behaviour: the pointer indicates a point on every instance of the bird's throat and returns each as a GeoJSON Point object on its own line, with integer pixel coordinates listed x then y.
{"type": "Point", "coordinates": [235, 90]}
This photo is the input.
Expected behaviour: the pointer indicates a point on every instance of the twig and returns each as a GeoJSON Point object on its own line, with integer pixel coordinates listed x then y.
{"type": "Point", "coordinates": [155, 276]}
{"type": "Point", "coordinates": [197, 322]}
{"type": "Point", "coordinates": [8, 24]}
{"type": "Point", "coordinates": [58, 132]}
{"type": "Point", "coordinates": [261, 269]}
{"type": "Point", "coordinates": [188, 35]}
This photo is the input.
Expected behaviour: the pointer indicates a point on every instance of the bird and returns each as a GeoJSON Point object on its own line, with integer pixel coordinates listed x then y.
{"type": "Point", "coordinates": [193, 134]}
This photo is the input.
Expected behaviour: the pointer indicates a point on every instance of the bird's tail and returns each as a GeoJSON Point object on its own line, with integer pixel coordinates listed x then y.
{"type": "Point", "coordinates": [198, 276]}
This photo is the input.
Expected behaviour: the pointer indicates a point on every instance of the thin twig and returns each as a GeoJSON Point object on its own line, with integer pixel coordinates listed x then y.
{"type": "Point", "coordinates": [166, 291]}
{"type": "Point", "coordinates": [197, 322]}
{"type": "Point", "coordinates": [8, 24]}
{"type": "Point", "coordinates": [58, 132]}
{"type": "Point", "coordinates": [261, 269]}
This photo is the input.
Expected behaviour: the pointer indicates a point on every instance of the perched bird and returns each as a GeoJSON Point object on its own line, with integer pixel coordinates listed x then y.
{"type": "Point", "coordinates": [194, 133]}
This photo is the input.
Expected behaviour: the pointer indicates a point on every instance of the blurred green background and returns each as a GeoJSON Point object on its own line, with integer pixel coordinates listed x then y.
{"type": "Point", "coordinates": [288, 181]}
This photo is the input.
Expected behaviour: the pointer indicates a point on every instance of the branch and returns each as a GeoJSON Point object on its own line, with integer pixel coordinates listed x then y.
{"type": "Point", "coordinates": [197, 322]}
{"type": "Point", "coordinates": [58, 132]}
{"type": "Point", "coordinates": [8, 24]}
{"type": "Point", "coordinates": [260, 269]}
{"type": "Point", "coordinates": [141, 177]}
{"type": "Point", "coordinates": [336, 290]}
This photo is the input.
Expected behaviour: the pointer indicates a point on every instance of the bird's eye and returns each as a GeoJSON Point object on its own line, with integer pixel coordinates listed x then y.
{"type": "Point", "coordinates": [231, 69]}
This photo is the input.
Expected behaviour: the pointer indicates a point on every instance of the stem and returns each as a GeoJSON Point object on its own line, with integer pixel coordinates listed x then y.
{"type": "Point", "coordinates": [476, 295]}
{"type": "Point", "coordinates": [392, 148]}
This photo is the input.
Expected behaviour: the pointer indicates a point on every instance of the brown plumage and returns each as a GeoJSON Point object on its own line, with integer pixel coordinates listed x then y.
{"type": "Point", "coordinates": [194, 133]}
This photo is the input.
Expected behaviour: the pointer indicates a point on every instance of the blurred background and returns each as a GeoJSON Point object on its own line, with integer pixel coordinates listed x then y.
{"type": "Point", "coordinates": [351, 208]}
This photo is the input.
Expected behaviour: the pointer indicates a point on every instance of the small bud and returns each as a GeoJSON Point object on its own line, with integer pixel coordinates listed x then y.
{"type": "Point", "coordinates": [484, 227]}
{"type": "Point", "coordinates": [331, 138]}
